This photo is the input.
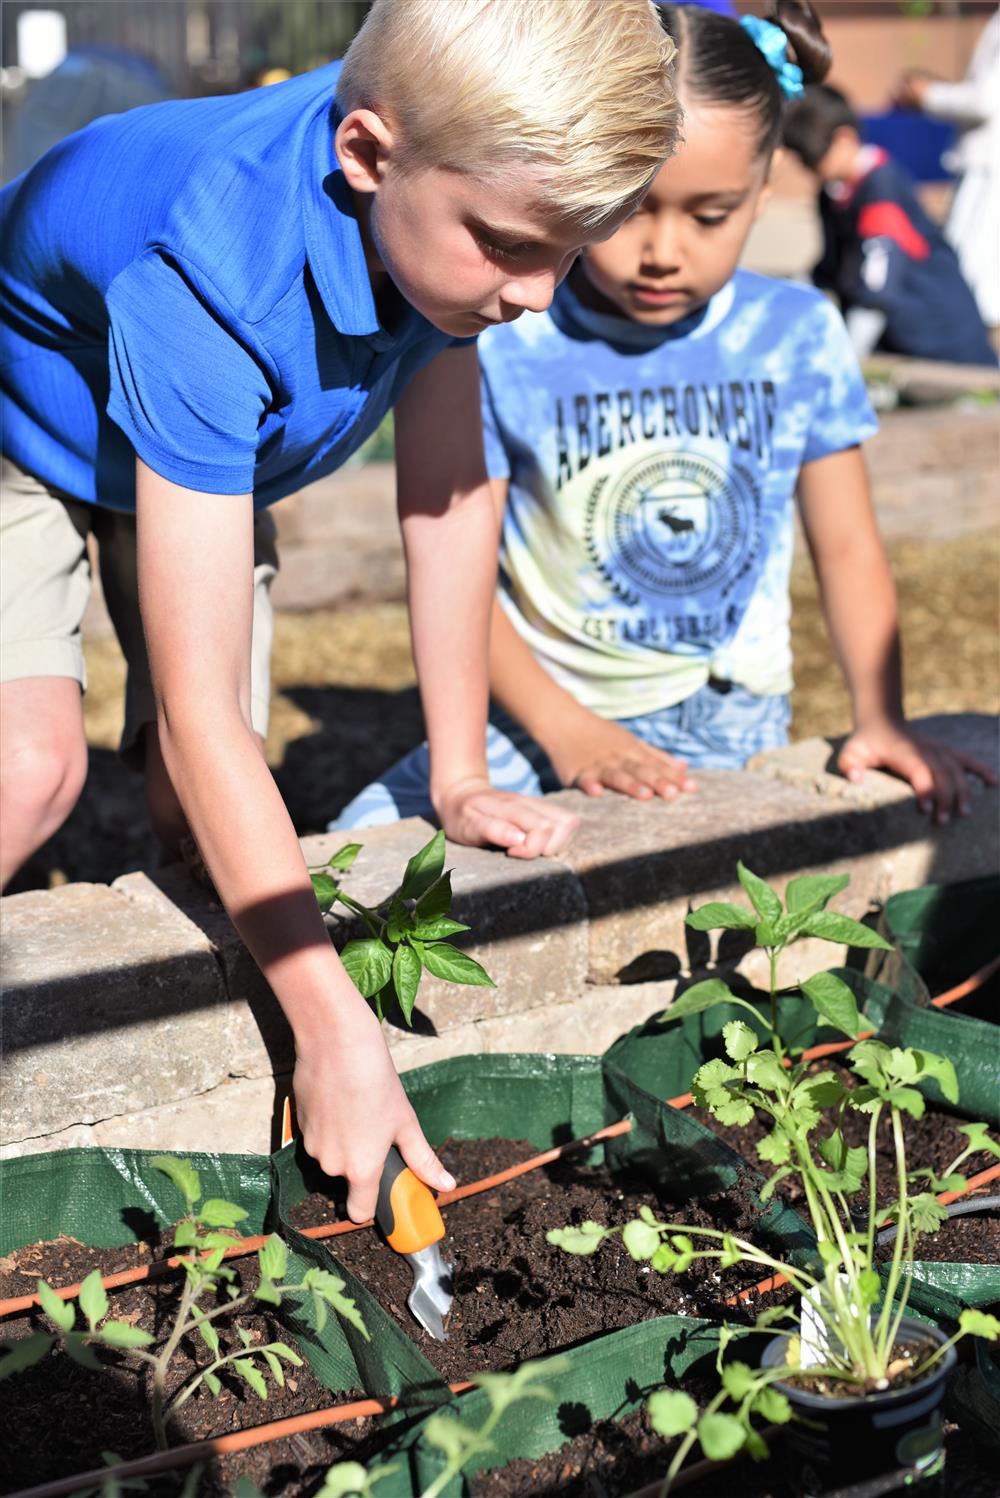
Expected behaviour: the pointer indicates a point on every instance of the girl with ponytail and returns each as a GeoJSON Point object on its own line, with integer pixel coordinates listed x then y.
{"type": "Point", "coordinates": [646, 438]}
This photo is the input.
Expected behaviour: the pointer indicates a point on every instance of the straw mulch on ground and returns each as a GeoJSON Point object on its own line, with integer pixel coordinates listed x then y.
{"type": "Point", "coordinates": [345, 706]}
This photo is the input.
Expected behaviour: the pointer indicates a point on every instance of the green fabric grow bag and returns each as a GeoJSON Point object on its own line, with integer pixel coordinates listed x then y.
{"type": "Point", "coordinates": [942, 934]}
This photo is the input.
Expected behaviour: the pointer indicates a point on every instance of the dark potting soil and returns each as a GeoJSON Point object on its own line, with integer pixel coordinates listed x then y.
{"type": "Point", "coordinates": [962, 1240]}
{"type": "Point", "coordinates": [932, 1142]}
{"type": "Point", "coordinates": [516, 1296]}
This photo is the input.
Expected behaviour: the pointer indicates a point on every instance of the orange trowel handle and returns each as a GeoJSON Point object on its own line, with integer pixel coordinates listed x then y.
{"type": "Point", "coordinates": [406, 1210]}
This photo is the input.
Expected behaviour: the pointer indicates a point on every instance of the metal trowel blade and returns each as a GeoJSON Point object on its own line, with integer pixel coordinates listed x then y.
{"type": "Point", "coordinates": [433, 1290]}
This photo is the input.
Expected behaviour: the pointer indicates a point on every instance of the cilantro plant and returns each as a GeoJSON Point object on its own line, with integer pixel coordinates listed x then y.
{"type": "Point", "coordinates": [407, 932]}
{"type": "Point", "coordinates": [458, 1442]}
{"type": "Point", "coordinates": [849, 1324]}
{"type": "Point", "coordinates": [209, 1294]}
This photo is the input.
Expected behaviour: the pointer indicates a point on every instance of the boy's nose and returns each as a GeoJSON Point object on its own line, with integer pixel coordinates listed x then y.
{"type": "Point", "coordinates": [531, 293]}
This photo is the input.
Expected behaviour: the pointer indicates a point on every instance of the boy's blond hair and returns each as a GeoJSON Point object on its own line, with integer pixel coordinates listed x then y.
{"type": "Point", "coordinates": [579, 90]}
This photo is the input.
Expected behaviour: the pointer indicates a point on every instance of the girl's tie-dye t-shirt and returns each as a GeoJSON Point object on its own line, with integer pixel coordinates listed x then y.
{"type": "Point", "coordinates": [648, 534]}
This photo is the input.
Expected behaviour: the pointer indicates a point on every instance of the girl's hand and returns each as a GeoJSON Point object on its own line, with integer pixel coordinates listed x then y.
{"type": "Point", "coordinates": [936, 772]}
{"type": "Point", "coordinates": [472, 812]}
{"type": "Point", "coordinates": [351, 1108]}
{"type": "Point", "coordinates": [608, 757]}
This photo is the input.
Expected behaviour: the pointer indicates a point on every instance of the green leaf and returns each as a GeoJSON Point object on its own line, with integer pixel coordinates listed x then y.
{"type": "Point", "coordinates": [721, 1436]}
{"type": "Point", "coordinates": [585, 1239]}
{"type": "Point", "coordinates": [762, 897]}
{"type": "Point", "coordinates": [447, 962]}
{"type": "Point", "coordinates": [215, 1213]}
{"type": "Point", "coordinates": [326, 889]}
{"type": "Point", "coordinates": [185, 1233]}
{"type": "Point", "coordinates": [941, 1069]}
{"type": "Point", "coordinates": [810, 892]}
{"type": "Point", "coordinates": [979, 1324]}
{"type": "Point", "coordinates": [730, 1253]}
{"type": "Point", "coordinates": [979, 1138]}
{"type": "Point", "coordinates": [183, 1175]}
{"type": "Point", "coordinates": [718, 916]}
{"type": "Point", "coordinates": [736, 1111]}
{"type": "Point", "coordinates": [907, 1099]}
{"type": "Point", "coordinates": [423, 868]}
{"type": "Point", "coordinates": [326, 1290]}
{"type": "Point", "coordinates": [435, 902]}
{"type": "Point", "coordinates": [926, 1212]}
{"type": "Point", "coordinates": [277, 1372]}
{"type": "Point", "coordinates": [208, 1334]}
{"type": "Point", "coordinates": [738, 1379]}
{"type": "Point", "coordinates": [57, 1310]}
{"type": "Point", "coordinates": [121, 1334]}
{"type": "Point", "coordinates": [438, 929]}
{"type": "Point", "coordinates": [766, 1071]}
{"type": "Point", "coordinates": [24, 1353]}
{"type": "Point", "coordinates": [740, 1040]}
{"type": "Point", "coordinates": [671, 1412]}
{"type": "Point", "coordinates": [869, 1287]}
{"type": "Point", "coordinates": [775, 1148]}
{"type": "Point", "coordinates": [400, 920]}
{"type": "Point", "coordinates": [828, 925]}
{"type": "Point", "coordinates": [213, 1383]}
{"type": "Point", "coordinates": [832, 999]}
{"type": "Point", "coordinates": [93, 1298]}
{"type": "Point", "coordinates": [848, 1166]}
{"type": "Point", "coordinates": [273, 1258]}
{"type": "Point", "coordinates": [81, 1353]}
{"type": "Point", "coordinates": [344, 857]}
{"type": "Point", "coordinates": [699, 996]}
{"type": "Point", "coordinates": [282, 1350]}
{"type": "Point", "coordinates": [773, 1182]}
{"type": "Point", "coordinates": [406, 975]}
{"type": "Point", "coordinates": [245, 1336]}
{"type": "Point", "coordinates": [369, 965]}
{"type": "Point", "coordinates": [640, 1240]}
{"type": "Point", "coordinates": [449, 1435]}
{"type": "Point", "coordinates": [252, 1375]}
{"type": "Point", "coordinates": [343, 1480]}
{"type": "Point", "coordinates": [771, 1405]}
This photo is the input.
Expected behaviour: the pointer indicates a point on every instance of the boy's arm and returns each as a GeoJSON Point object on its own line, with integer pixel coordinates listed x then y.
{"type": "Point", "coordinates": [451, 540]}
{"type": "Point", "coordinates": [195, 555]}
{"type": "Point", "coordinates": [586, 751]}
{"type": "Point", "coordinates": [859, 603]}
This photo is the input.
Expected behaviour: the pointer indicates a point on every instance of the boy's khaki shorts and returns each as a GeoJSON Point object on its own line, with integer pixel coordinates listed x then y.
{"type": "Point", "coordinates": [45, 587]}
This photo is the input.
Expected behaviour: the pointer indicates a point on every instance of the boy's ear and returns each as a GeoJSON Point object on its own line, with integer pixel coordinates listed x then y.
{"type": "Point", "coordinates": [363, 142]}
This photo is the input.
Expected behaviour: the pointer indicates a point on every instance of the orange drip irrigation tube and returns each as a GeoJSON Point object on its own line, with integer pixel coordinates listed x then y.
{"type": "Point", "coordinates": [238, 1440]}
{"type": "Point", "coordinates": [246, 1246]}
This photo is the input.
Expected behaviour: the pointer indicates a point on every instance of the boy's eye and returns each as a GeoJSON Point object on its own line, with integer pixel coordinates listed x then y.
{"type": "Point", "coordinates": [500, 251]}
{"type": "Point", "coordinates": [711, 220]}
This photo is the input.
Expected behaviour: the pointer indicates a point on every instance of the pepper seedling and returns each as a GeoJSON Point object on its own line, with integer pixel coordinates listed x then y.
{"type": "Point", "coordinates": [408, 931]}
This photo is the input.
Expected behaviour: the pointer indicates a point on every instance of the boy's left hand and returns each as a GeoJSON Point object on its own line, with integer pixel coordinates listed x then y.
{"type": "Point", "coordinates": [472, 812]}
{"type": "Point", "coordinates": [936, 772]}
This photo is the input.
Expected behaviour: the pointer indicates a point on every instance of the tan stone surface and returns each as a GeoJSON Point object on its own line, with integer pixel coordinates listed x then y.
{"type": "Point", "coordinates": [102, 1013]}
{"type": "Point", "coordinates": [77, 1136]}
{"type": "Point", "coordinates": [235, 1117]}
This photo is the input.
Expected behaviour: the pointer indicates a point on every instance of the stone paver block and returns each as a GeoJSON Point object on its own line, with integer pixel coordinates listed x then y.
{"type": "Point", "coordinates": [586, 1025]}
{"type": "Point", "coordinates": [527, 920]}
{"type": "Point", "coordinates": [235, 1117]}
{"type": "Point", "coordinates": [102, 1012]}
{"type": "Point", "coordinates": [644, 865]}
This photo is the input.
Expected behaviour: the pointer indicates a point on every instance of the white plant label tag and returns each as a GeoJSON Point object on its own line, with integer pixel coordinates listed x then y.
{"type": "Point", "coordinates": [816, 1345]}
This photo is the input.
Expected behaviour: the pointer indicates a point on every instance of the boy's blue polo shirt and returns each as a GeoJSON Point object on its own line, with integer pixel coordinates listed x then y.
{"type": "Point", "coordinates": [187, 282]}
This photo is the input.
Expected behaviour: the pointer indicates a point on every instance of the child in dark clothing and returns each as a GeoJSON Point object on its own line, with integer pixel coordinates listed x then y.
{"type": "Point", "coordinates": [897, 278]}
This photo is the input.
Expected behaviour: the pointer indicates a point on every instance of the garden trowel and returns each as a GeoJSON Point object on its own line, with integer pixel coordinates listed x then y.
{"type": "Point", "coordinates": [409, 1217]}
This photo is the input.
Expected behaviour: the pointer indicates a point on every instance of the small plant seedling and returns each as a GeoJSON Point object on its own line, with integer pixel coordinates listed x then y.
{"type": "Point", "coordinates": [407, 932]}
{"type": "Point", "coordinates": [763, 1073]}
{"type": "Point", "coordinates": [209, 1293]}
{"type": "Point", "coordinates": [458, 1442]}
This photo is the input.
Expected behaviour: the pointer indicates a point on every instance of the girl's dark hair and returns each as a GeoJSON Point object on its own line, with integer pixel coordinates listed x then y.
{"type": "Point", "coordinates": [812, 121]}
{"type": "Point", "coordinates": [719, 62]}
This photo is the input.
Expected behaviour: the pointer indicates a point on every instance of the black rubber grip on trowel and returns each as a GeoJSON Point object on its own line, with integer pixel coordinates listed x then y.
{"type": "Point", "coordinates": [406, 1211]}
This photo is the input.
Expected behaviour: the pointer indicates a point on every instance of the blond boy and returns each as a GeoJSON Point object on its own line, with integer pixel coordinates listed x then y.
{"type": "Point", "coordinates": [212, 302]}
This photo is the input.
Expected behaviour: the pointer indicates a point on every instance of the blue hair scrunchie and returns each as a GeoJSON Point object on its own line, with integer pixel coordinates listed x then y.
{"type": "Point", "coordinates": [773, 42]}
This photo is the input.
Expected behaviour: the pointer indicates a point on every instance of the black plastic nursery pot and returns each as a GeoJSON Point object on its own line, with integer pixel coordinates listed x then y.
{"type": "Point", "coordinates": [834, 1442]}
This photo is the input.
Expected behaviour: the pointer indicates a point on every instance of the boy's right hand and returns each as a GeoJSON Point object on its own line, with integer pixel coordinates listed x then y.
{"type": "Point", "coordinates": [351, 1109]}
{"type": "Point", "coordinates": [473, 813]}
{"type": "Point", "coordinates": [605, 756]}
